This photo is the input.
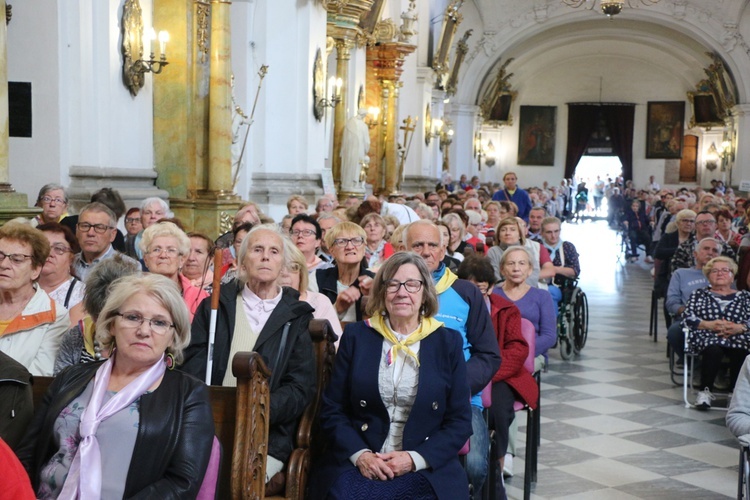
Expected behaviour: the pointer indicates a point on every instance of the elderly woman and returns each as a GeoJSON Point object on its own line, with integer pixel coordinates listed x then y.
{"type": "Point", "coordinates": [456, 245]}
{"type": "Point", "coordinates": [55, 278]}
{"type": "Point", "coordinates": [256, 314]}
{"type": "Point", "coordinates": [348, 281]}
{"type": "Point", "coordinates": [129, 426]}
{"type": "Point", "coordinates": [53, 200]}
{"type": "Point", "coordinates": [535, 304]}
{"type": "Point", "coordinates": [31, 323]}
{"type": "Point", "coordinates": [165, 248]}
{"type": "Point", "coordinates": [198, 264]}
{"type": "Point", "coordinates": [297, 204]}
{"type": "Point", "coordinates": [388, 440]}
{"type": "Point", "coordinates": [79, 344]}
{"type": "Point", "coordinates": [295, 275]}
{"type": "Point", "coordinates": [724, 231]}
{"type": "Point", "coordinates": [718, 319]}
{"type": "Point", "coordinates": [512, 381]}
{"type": "Point", "coordinates": [306, 234]}
{"type": "Point", "coordinates": [511, 232]}
{"type": "Point", "coordinates": [377, 249]}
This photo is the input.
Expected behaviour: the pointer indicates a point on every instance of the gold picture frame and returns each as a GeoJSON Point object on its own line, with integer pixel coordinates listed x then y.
{"type": "Point", "coordinates": [451, 20]}
{"type": "Point", "coordinates": [427, 125]}
{"type": "Point", "coordinates": [706, 111]}
{"type": "Point", "coordinates": [318, 86]}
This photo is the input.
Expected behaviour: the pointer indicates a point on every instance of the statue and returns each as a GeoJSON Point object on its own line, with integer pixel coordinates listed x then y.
{"type": "Point", "coordinates": [354, 148]}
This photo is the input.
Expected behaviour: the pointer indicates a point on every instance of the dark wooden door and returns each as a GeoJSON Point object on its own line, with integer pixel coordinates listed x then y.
{"type": "Point", "coordinates": [689, 162]}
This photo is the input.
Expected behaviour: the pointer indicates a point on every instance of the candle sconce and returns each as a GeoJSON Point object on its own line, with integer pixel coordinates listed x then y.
{"type": "Point", "coordinates": [334, 84]}
{"type": "Point", "coordinates": [373, 112]}
{"type": "Point", "coordinates": [134, 67]}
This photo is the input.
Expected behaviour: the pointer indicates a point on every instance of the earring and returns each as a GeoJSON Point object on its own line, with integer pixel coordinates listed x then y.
{"type": "Point", "coordinates": [169, 361]}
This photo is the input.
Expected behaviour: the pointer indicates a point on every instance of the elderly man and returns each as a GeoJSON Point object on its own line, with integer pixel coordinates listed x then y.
{"type": "Point", "coordinates": [684, 282]}
{"type": "Point", "coordinates": [152, 211]}
{"type": "Point", "coordinates": [705, 227]}
{"type": "Point", "coordinates": [462, 308]}
{"type": "Point", "coordinates": [258, 315]}
{"type": "Point", "coordinates": [95, 232]}
{"type": "Point", "coordinates": [324, 205]}
{"type": "Point", "coordinates": [534, 230]}
{"type": "Point", "coordinates": [512, 192]}
{"type": "Point", "coordinates": [53, 200]}
{"type": "Point", "coordinates": [473, 204]}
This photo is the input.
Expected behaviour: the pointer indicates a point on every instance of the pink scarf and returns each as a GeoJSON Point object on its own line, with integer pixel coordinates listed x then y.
{"type": "Point", "coordinates": [88, 457]}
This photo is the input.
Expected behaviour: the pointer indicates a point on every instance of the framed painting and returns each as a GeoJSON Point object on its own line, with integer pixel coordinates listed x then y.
{"type": "Point", "coordinates": [665, 129]}
{"type": "Point", "coordinates": [705, 111]}
{"type": "Point", "coordinates": [536, 135]}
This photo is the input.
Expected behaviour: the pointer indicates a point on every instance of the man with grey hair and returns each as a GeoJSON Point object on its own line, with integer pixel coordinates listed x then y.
{"type": "Point", "coordinates": [683, 283]}
{"type": "Point", "coordinates": [95, 232]}
{"type": "Point", "coordinates": [53, 200]}
{"type": "Point", "coordinates": [326, 221]}
{"type": "Point", "coordinates": [462, 308]}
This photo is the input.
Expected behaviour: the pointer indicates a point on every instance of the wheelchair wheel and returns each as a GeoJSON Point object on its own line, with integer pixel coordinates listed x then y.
{"type": "Point", "coordinates": [580, 320]}
{"type": "Point", "coordinates": [566, 348]}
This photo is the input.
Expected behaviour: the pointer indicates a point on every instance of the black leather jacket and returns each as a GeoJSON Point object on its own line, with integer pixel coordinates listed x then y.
{"type": "Point", "coordinates": [293, 378]}
{"type": "Point", "coordinates": [175, 434]}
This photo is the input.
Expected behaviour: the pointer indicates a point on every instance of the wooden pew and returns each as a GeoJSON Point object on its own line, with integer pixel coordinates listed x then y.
{"type": "Point", "coordinates": [308, 439]}
{"type": "Point", "coordinates": [241, 418]}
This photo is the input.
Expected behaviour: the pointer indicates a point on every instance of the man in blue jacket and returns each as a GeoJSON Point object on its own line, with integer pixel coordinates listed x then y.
{"type": "Point", "coordinates": [513, 193]}
{"type": "Point", "coordinates": [462, 308]}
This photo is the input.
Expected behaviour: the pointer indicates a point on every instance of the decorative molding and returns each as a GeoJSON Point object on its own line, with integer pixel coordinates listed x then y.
{"type": "Point", "coordinates": [385, 31]}
{"type": "Point", "coordinates": [202, 25]}
{"type": "Point", "coordinates": [487, 44]}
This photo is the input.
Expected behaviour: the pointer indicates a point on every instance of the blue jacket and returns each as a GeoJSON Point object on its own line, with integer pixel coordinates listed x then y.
{"type": "Point", "coordinates": [519, 197]}
{"type": "Point", "coordinates": [462, 308]}
{"type": "Point", "coordinates": [353, 415]}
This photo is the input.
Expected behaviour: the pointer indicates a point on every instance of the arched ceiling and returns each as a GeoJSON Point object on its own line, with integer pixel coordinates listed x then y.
{"type": "Point", "coordinates": [543, 34]}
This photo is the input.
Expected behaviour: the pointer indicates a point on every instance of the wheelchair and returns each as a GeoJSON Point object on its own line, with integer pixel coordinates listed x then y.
{"type": "Point", "coordinates": [572, 319]}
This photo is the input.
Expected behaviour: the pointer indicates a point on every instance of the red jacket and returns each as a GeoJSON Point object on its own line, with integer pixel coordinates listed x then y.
{"type": "Point", "coordinates": [506, 319]}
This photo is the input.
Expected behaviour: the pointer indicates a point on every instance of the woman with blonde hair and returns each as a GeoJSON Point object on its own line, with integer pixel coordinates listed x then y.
{"type": "Point", "coordinates": [294, 275]}
{"type": "Point", "coordinates": [377, 248]}
{"type": "Point", "coordinates": [165, 248]}
{"type": "Point", "coordinates": [511, 232]}
{"type": "Point", "coordinates": [297, 204]}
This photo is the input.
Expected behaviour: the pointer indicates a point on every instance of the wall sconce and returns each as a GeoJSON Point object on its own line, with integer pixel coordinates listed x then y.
{"type": "Point", "coordinates": [444, 133]}
{"type": "Point", "coordinates": [134, 67]}
{"type": "Point", "coordinates": [335, 85]}
{"type": "Point", "coordinates": [373, 112]}
{"type": "Point", "coordinates": [712, 158]}
{"type": "Point", "coordinates": [490, 154]}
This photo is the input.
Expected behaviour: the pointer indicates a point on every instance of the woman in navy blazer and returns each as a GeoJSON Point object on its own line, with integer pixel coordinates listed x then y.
{"type": "Point", "coordinates": [396, 411]}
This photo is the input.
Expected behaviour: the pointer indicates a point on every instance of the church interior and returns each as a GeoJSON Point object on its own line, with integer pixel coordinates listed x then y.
{"type": "Point", "coordinates": [248, 100]}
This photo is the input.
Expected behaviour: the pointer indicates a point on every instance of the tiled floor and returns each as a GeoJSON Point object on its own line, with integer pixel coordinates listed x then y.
{"type": "Point", "coordinates": [613, 424]}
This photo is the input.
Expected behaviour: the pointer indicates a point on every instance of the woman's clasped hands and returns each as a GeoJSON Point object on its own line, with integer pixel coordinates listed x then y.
{"type": "Point", "coordinates": [384, 466]}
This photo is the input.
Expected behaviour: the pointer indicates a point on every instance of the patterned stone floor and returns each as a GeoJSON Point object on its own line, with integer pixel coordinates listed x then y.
{"type": "Point", "coordinates": [613, 424]}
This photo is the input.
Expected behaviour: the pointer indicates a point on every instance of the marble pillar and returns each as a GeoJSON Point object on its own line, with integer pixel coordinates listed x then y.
{"type": "Point", "coordinates": [220, 103]}
{"type": "Point", "coordinates": [741, 167]}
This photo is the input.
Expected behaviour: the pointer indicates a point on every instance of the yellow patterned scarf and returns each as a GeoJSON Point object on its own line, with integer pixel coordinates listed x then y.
{"type": "Point", "coordinates": [426, 327]}
{"type": "Point", "coordinates": [445, 281]}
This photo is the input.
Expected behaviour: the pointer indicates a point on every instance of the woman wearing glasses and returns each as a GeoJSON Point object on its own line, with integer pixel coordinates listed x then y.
{"type": "Point", "coordinates": [53, 200]}
{"type": "Point", "coordinates": [129, 426]}
{"type": "Point", "coordinates": [718, 320]}
{"type": "Point", "coordinates": [349, 281]}
{"type": "Point", "coordinates": [165, 248]}
{"type": "Point", "coordinates": [306, 234]}
{"type": "Point", "coordinates": [31, 323]}
{"type": "Point", "coordinates": [55, 278]}
{"type": "Point", "coordinates": [386, 439]}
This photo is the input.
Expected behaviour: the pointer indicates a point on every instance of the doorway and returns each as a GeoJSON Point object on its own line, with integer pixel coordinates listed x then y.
{"type": "Point", "coordinates": [689, 161]}
{"type": "Point", "coordinates": [606, 168]}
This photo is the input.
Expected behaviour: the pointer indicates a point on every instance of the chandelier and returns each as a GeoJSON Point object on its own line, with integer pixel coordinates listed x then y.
{"type": "Point", "coordinates": [609, 7]}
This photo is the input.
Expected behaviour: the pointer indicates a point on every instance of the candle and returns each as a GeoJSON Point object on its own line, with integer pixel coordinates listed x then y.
{"type": "Point", "coordinates": [163, 39]}
{"type": "Point", "coordinates": [150, 35]}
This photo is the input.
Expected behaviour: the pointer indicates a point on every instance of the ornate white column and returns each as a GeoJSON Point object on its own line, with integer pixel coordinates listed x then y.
{"type": "Point", "coordinates": [741, 168]}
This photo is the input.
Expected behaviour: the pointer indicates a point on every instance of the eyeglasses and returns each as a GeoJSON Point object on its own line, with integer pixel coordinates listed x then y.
{"type": "Point", "coordinates": [411, 286]}
{"type": "Point", "coordinates": [132, 221]}
{"type": "Point", "coordinates": [135, 320]}
{"type": "Point", "coordinates": [343, 242]}
{"type": "Point", "coordinates": [302, 232]}
{"type": "Point", "coordinates": [47, 199]}
{"type": "Point", "coordinates": [99, 228]}
{"type": "Point", "coordinates": [705, 222]}
{"type": "Point", "coordinates": [59, 249]}
{"type": "Point", "coordinates": [688, 221]}
{"type": "Point", "coordinates": [171, 251]}
{"type": "Point", "coordinates": [14, 258]}
{"type": "Point", "coordinates": [720, 271]}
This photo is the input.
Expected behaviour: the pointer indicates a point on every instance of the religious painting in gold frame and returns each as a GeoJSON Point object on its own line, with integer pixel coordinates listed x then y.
{"type": "Point", "coordinates": [665, 129]}
{"type": "Point", "coordinates": [427, 125]}
{"type": "Point", "coordinates": [370, 18]}
{"type": "Point", "coordinates": [451, 20]}
{"type": "Point", "coordinates": [705, 110]}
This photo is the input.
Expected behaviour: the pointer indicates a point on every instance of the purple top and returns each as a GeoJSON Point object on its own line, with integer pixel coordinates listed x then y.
{"type": "Point", "coordinates": [537, 307]}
